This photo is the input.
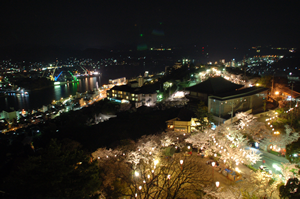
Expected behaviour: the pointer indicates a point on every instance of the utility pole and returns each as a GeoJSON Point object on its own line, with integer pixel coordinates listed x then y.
{"type": "Point", "coordinates": [291, 103]}
{"type": "Point", "coordinates": [291, 93]}
{"type": "Point", "coordinates": [231, 111]}
{"type": "Point", "coordinates": [272, 89]}
{"type": "Point", "coordinates": [219, 113]}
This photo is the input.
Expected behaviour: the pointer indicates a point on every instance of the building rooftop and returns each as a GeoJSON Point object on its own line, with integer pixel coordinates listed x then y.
{"type": "Point", "coordinates": [215, 86]}
{"type": "Point", "coordinates": [239, 93]}
{"type": "Point", "coordinates": [139, 90]}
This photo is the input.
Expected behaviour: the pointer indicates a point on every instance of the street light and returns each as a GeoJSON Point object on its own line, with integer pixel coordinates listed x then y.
{"type": "Point", "coordinates": [213, 174]}
{"type": "Point", "coordinates": [181, 162]}
{"type": "Point", "coordinates": [169, 177]}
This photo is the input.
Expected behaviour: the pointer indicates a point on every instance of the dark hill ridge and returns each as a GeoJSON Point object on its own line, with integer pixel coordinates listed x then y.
{"type": "Point", "coordinates": [49, 53]}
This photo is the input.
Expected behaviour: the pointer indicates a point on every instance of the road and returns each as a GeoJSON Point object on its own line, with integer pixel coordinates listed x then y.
{"type": "Point", "coordinates": [271, 160]}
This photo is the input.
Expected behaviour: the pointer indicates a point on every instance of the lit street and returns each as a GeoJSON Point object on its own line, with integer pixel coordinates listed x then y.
{"type": "Point", "coordinates": [271, 160]}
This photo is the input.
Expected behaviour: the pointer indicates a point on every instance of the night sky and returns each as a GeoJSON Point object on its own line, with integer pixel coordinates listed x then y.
{"type": "Point", "coordinates": [99, 24]}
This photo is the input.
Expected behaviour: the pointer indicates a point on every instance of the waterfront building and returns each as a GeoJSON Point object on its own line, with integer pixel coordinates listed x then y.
{"type": "Point", "coordinates": [119, 81]}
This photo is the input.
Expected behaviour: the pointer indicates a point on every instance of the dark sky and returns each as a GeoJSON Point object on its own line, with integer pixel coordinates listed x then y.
{"type": "Point", "coordinates": [83, 24]}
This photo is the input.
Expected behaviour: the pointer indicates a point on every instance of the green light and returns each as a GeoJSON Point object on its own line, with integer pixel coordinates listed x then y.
{"type": "Point", "coordinates": [141, 35]}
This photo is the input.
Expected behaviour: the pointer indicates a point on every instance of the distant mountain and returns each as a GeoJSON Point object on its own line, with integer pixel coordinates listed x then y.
{"type": "Point", "coordinates": [48, 53]}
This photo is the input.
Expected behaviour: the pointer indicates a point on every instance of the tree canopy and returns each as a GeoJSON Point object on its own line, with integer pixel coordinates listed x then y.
{"type": "Point", "coordinates": [55, 171]}
{"type": "Point", "coordinates": [203, 117]}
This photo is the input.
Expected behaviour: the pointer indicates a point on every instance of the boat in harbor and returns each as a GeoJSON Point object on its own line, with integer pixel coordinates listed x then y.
{"type": "Point", "coordinates": [14, 92]}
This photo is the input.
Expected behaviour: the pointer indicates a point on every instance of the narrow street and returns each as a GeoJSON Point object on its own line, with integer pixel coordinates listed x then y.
{"type": "Point", "coordinates": [270, 159]}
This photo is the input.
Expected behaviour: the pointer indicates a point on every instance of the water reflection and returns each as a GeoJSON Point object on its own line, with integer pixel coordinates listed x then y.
{"type": "Point", "coordinates": [36, 99]}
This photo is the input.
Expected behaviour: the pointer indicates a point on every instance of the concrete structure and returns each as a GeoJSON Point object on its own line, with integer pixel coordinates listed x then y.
{"type": "Point", "coordinates": [8, 115]}
{"type": "Point", "coordinates": [177, 124]}
{"type": "Point", "coordinates": [224, 98]}
{"type": "Point", "coordinates": [140, 81]}
{"type": "Point", "coordinates": [185, 122]}
{"type": "Point", "coordinates": [119, 81]}
{"type": "Point", "coordinates": [177, 65]}
{"type": "Point", "coordinates": [44, 108]}
{"type": "Point", "coordinates": [224, 105]}
{"type": "Point", "coordinates": [139, 96]}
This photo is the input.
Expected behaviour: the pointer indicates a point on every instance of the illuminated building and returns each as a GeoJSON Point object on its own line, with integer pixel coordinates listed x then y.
{"type": "Point", "coordinates": [139, 96]}
{"type": "Point", "coordinates": [224, 97]}
{"type": "Point", "coordinates": [119, 81]}
{"type": "Point", "coordinates": [185, 122]}
{"type": "Point", "coordinates": [211, 86]}
{"type": "Point", "coordinates": [8, 115]}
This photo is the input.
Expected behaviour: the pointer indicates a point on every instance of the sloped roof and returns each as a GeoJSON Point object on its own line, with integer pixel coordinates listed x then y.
{"type": "Point", "coordinates": [140, 90]}
{"type": "Point", "coordinates": [215, 85]}
{"type": "Point", "coordinates": [240, 93]}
